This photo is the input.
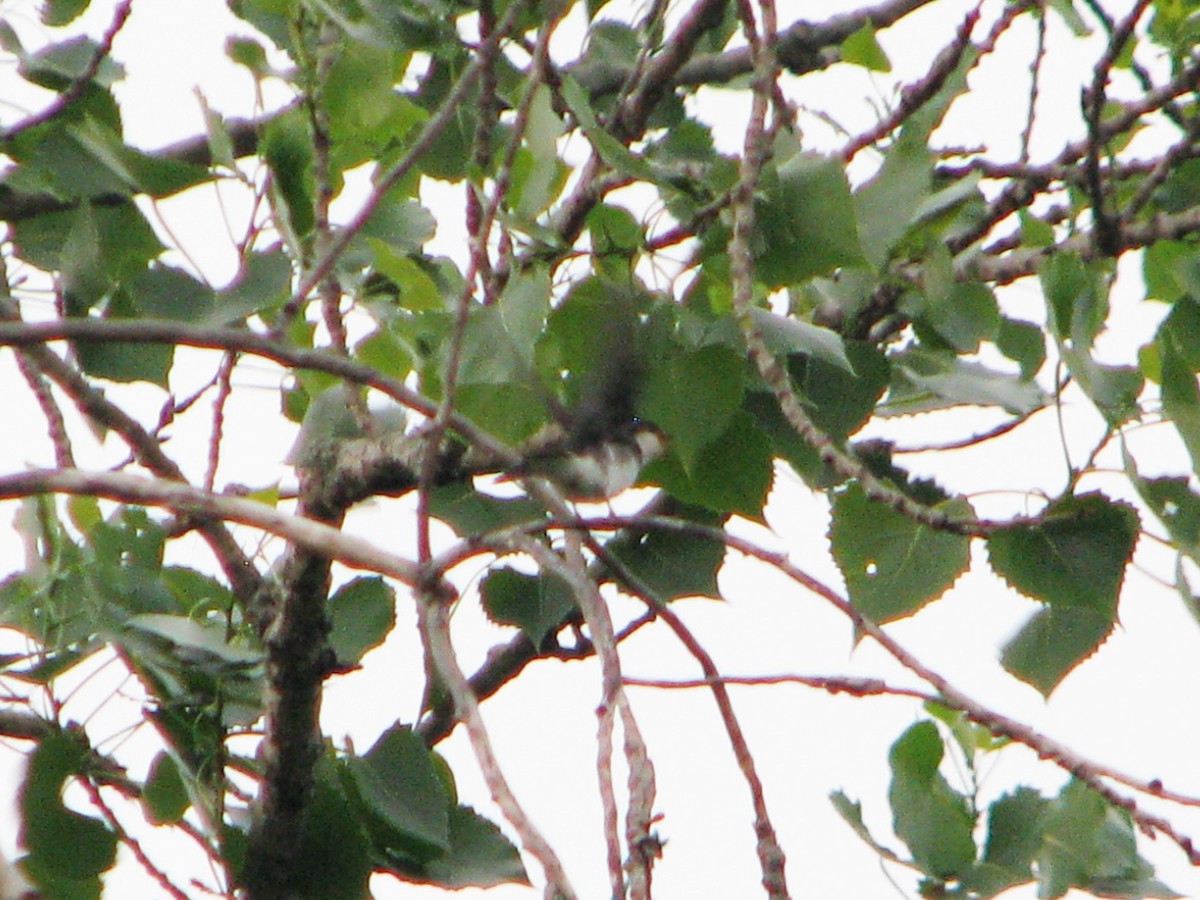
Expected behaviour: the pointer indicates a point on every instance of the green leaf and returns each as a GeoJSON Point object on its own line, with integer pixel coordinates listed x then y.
{"type": "Point", "coordinates": [164, 796]}
{"type": "Point", "coordinates": [488, 354]}
{"type": "Point", "coordinates": [1114, 389]}
{"type": "Point", "coordinates": [1175, 504]}
{"type": "Point", "coordinates": [1072, 558]}
{"type": "Point", "coordinates": [56, 66]}
{"type": "Point", "coordinates": [195, 644]}
{"type": "Point", "coordinates": [1163, 263]}
{"type": "Point", "coordinates": [480, 855]}
{"type": "Point", "coordinates": [449, 156]}
{"type": "Point", "coordinates": [884, 204]}
{"type": "Point", "coordinates": [971, 737]}
{"type": "Point", "coordinates": [892, 565]}
{"type": "Point", "coordinates": [57, 13]}
{"type": "Point", "coordinates": [536, 604]}
{"type": "Point", "coordinates": [286, 147]}
{"type": "Point", "coordinates": [93, 245]}
{"type": "Point", "coordinates": [402, 26]}
{"type": "Point", "coordinates": [125, 568]}
{"type": "Point", "coordinates": [361, 615]}
{"type": "Point", "coordinates": [693, 396]}
{"type": "Point", "coordinates": [415, 289]}
{"type": "Point", "coordinates": [614, 232]}
{"type": "Point", "coordinates": [247, 52]}
{"type": "Point", "coordinates": [1053, 642]}
{"type": "Point", "coordinates": [126, 362]}
{"type": "Point", "coordinates": [196, 593]}
{"type": "Point", "coordinates": [963, 314]}
{"type": "Point", "coordinates": [397, 787]}
{"type": "Point", "coordinates": [1014, 832]}
{"type": "Point", "coordinates": [1074, 553]}
{"type": "Point", "coordinates": [674, 564]}
{"type": "Point", "coordinates": [524, 306]}
{"type": "Point", "coordinates": [509, 411]}
{"type": "Point", "coordinates": [932, 819]}
{"type": "Point", "coordinates": [382, 351]}
{"type": "Point", "coordinates": [364, 111]}
{"type": "Point", "coordinates": [609, 149]}
{"type": "Point", "coordinates": [1179, 361]}
{"type": "Point", "coordinates": [401, 223]}
{"type": "Point", "coordinates": [62, 845]}
{"type": "Point", "coordinates": [84, 512]}
{"type": "Point", "coordinates": [333, 860]}
{"type": "Point", "coordinates": [786, 334]}
{"type": "Point", "coordinates": [262, 283]}
{"type": "Point", "coordinates": [146, 173]}
{"type": "Point", "coordinates": [851, 812]}
{"type": "Point", "coordinates": [220, 141]}
{"type": "Point", "coordinates": [1090, 845]}
{"type": "Point", "coordinates": [1071, 17]}
{"type": "Point", "coordinates": [328, 420]}
{"type": "Point", "coordinates": [861, 49]}
{"type": "Point", "coordinates": [165, 292]}
{"type": "Point", "coordinates": [1024, 343]}
{"type": "Point", "coordinates": [731, 474]}
{"type": "Point", "coordinates": [545, 172]}
{"type": "Point", "coordinates": [788, 445]}
{"type": "Point", "coordinates": [902, 195]}
{"type": "Point", "coordinates": [838, 403]}
{"type": "Point", "coordinates": [939, 210]}
{"type": "Point", "coordinates": [928, 381]}
{"type": "Point", "coordinates": [804, 222]}
{"type": "Point", "coordinates": [470, 513]}
{"type": "Point", "coordinates": [1035, 232]}
{"type": "Point", "coordinates": [1077, 299]}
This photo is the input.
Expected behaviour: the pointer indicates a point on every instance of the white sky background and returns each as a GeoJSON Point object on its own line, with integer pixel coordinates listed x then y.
{"type": "Point", "coordinates": [1131, 707]}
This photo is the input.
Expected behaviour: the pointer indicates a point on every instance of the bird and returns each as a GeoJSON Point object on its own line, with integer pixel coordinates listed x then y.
{"type": "Point", "coordinates": [597, 469]}
{"type": "Point", "coordinates": [595, 443]}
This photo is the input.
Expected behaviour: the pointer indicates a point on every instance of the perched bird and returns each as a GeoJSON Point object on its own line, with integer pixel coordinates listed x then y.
{"type": "Point", "coordinates": [594, 362]}
{"type": "Point", "coordinates": [598, 469]}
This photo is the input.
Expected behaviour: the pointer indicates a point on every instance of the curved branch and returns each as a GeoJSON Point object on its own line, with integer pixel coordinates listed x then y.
{"type": "Point", "coordinates": [1092, 774]}
{"type": "Point", "coordinates": [183, 498]}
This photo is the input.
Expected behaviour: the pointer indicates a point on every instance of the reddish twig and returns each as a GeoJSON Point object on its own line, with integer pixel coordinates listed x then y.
{"type": "Point", "coordinates": [80, 81]}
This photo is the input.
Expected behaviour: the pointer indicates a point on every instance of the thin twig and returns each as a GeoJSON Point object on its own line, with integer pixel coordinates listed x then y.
{"type": "Point", "coordinates": [429, 133]}
{"type": "Point", "coordinates": [587, 595]}
{"type": "Point", "coordinates": [434, 622]}
{"type": "Point", "coordinates": [134, 845]}
{"type": "Point", "coordinates": [1091, 773]}
{"type": "Point", "coordinates": [1105, 226]}
{"type": "Point", "coordinates": [96, 408]}
{"type": "Point", "coordinates": [215, 439]}
{"type": "Point", "coordinates": [1035, 83]}
{"type": "Point", "coordinates": [79, 82]}
{"type": "Point", "coordinates": [916, 95]}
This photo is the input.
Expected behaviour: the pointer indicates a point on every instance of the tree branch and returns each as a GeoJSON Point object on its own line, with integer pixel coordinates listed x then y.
{"type": "Point", "coordinates": [182, 498]}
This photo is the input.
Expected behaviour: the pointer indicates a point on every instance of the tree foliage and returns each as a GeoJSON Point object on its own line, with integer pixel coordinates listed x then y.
{"type": "Point", "coordinates": [774, 282]}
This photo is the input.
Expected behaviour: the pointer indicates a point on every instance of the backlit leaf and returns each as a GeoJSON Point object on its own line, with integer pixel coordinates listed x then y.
{"type": "Point", "coordinates": [892, 565]}
{"type": "Point", "coordinates": [1073, 559]}
{"type": "Point", "coordinates": [804, 224]}
{"type": "Point", "coordinates": [932, 819]}
{"type": "Point", "coordinates": [534, 603]}
{"type": "Point", "coordinates": [361, 615]}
